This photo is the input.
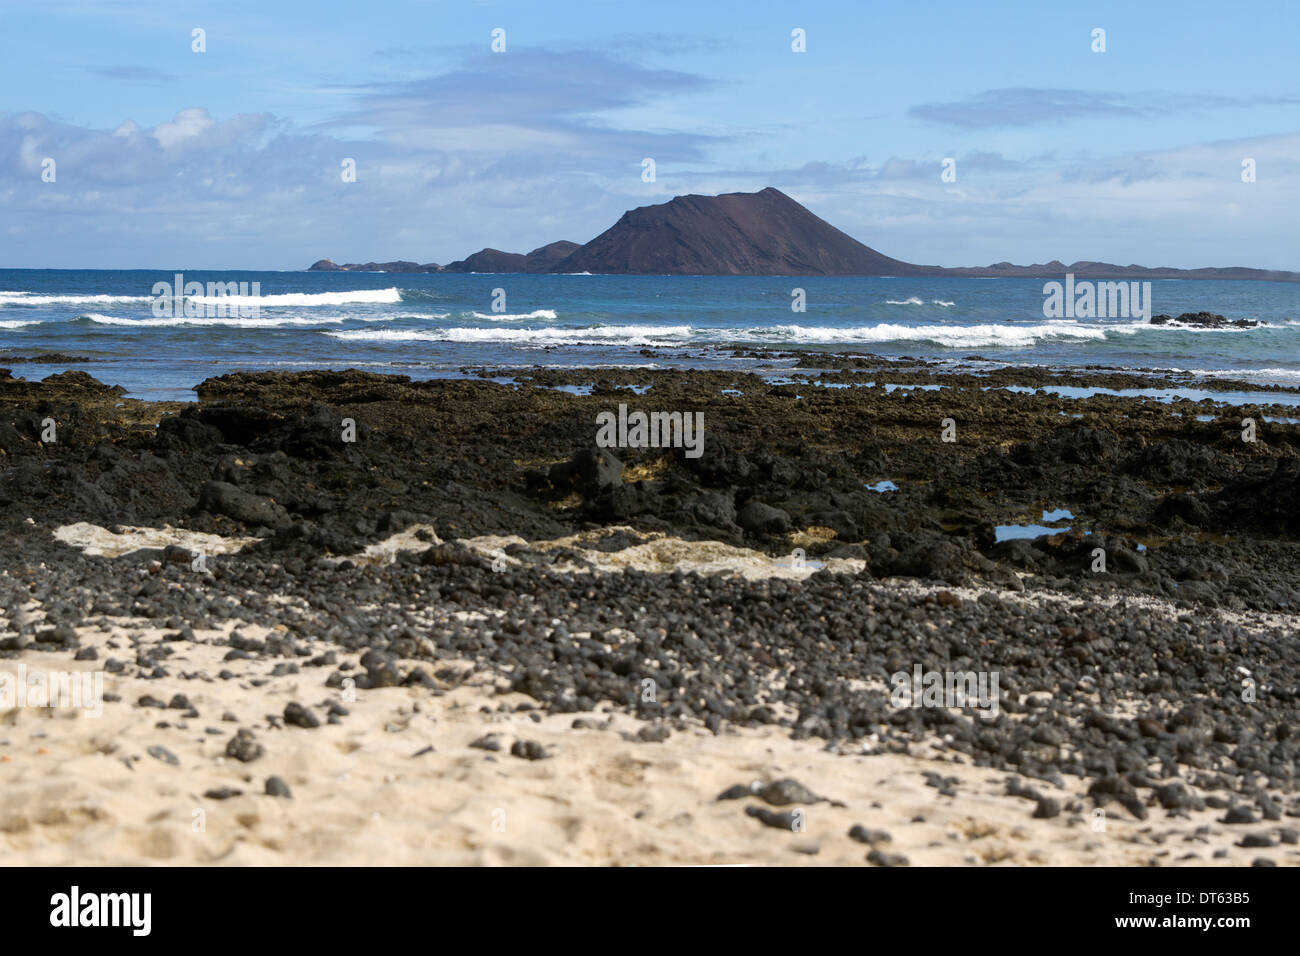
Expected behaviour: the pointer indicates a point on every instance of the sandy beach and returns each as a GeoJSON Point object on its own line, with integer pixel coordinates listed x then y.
{"type": "Point", "coordinates": [398, 781]}
{"type": "Point", "coordinates": [421, 648]}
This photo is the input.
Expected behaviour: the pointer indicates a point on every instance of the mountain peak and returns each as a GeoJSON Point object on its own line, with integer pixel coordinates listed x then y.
{"type": "Point", "coordinates": [764, 233]}
{"type": "Point", "coordinates": [761, 233]}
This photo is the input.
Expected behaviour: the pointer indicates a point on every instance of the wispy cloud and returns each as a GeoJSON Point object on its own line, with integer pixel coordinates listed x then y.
{"type": "Point", "coordinates": [518, 149]}
{"type": "Point", "coordinates": [135, 75]}
{"type": "Point", "coordinates": [536, 99]}
{"type": "Point", "coordinates": [515, 149]}
{"type": "Point", "coordinates": [1027, 106]}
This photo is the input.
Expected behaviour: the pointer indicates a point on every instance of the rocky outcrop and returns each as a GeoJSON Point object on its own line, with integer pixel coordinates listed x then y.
{"type": "Point", "coordinates": [542, 259]}
{"type": "Point", "coordinates": [1204, 320]}
{"type": "Point", "coordinates": [546, 258]}
{"type": "Point", "coordinates": [763, 233]}
{"type": "Point", "coordinates": [401, 265]}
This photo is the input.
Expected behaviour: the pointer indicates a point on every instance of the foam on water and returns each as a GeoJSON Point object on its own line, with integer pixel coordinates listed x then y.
{"type": "Point", "coordinates": [307, 299]}
{"type": "Point", "coordinates": [28, 299]}
{"type": "Point", "coordinates": [360, 296]}
{"type": "Point", "coordinates": [626, 334]}
{"type": "Point", "coordinates": [506, 317]}
{"type": "Point", "coordinates": [437, 324]}
{"type": "Point", "coordinates": [235, 322]}
{"type": "Point", "coordinates": [947, 336]}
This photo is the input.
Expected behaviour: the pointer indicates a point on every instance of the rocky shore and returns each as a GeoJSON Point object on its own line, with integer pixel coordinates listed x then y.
{"type": "Point", "coordinates": [599, 643]}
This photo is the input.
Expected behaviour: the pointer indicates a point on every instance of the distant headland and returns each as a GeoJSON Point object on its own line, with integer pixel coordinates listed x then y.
{"type": "Point", "coordinates": [756, 234]}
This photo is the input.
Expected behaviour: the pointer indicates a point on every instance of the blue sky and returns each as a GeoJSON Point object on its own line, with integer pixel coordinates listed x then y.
{"type": "Point", "coordinates": [231, 158]}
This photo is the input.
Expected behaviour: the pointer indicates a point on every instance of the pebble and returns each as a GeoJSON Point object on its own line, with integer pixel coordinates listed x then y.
{"type": "Point", "coordinates": [1257, 840]}
{"type": "Point", "coordinates": [737, 792]}
{"type": "Point", "coordinates": [786, 820]}
{"type": "Point", "coordinates": [295, 714]}
{"type": "Point", "coordinates": [1047, 808]}
{"type": "Point", "coordinates": [880, 858]}
{"type": "Point", "coordinates": [784, 792]}
{"type": "Point", "coordinates": [528, 750]}
{"type": "Point", "coordinates": [159, 752]}
{"type": "Point", "coordinates": [244, 747]}
{"type": "Point", "coordinates": [863, 835]}
{"type": "Point", "coordinates": [1239, 814]}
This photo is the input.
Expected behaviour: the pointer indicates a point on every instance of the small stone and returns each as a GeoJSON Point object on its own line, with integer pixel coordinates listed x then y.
{"type": "Point", "coordinates": [654, 734]}
{"type": "Point", "coordinates": [529, 750]}
{"type": "Point", "coordinates": [222, 793]}
{"type": "Point", "coordinates": [863, 835]}
{"type": "Point", "coordinates": [782, 793]}
{"type": "Point", "coordinates": [1148, 727]}
{"type": "Point", "coordinates": [886, 859]}
{"type": "Point", "coordinates": [738, 792]}
{"type": "Point", "coordinates": [276, 787]}
{"type": "Point", "coordinates": [243, 747]}
{"type": "Point", "coordinates": [299, 716]}
{"type": "Point", "coordinates": [1257, 840]}
{"type": "Point", "coordinates": [159, 752]}
{"type": "Point", "coordinates": [1047, 808]}
{"type": "Point", "coordinates": [785, 820]}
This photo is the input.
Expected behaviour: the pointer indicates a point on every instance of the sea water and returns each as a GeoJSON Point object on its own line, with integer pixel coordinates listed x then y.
{"type": "Point", "coordinates": [435, 325]}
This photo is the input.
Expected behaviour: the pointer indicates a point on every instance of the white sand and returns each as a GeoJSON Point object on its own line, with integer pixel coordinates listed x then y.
{"type": "Point", "coordinates": [81, 790]}
{"type": "Point", "coordinates": [95, 540]}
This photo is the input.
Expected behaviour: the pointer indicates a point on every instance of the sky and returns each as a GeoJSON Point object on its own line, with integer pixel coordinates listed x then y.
{"type": "Point", "coordinates": [234, 156]}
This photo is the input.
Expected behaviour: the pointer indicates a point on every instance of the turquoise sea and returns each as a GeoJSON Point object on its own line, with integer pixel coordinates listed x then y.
{"type": "Point", "coordinates": [437, 325]}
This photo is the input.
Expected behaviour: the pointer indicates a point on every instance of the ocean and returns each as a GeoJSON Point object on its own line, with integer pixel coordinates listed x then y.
{"type": "Point", "coordinates": [437, 325]}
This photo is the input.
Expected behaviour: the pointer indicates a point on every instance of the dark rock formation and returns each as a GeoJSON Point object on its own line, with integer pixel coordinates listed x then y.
{"type": "Point", "coordinates": [328, 265]}
{"type": "Point", "coordinates": [546, 258]}
{"type": "Point", "coordinates": [1204, 320]}
{"type": "Point", "coordinates": [763, 233]}
{"type": "Point", "coordinates": [542, 259]}
{"type": "Point", "coordinates": [489, 260]}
